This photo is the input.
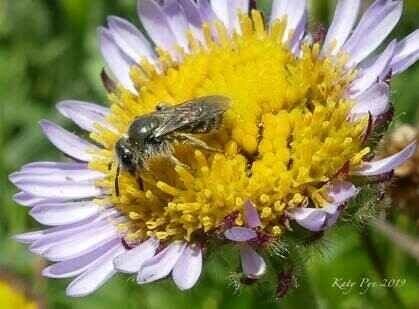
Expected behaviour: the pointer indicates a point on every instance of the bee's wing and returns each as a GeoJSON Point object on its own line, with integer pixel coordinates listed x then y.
{"type": "Point", "coordinates": [175, 118]}
{"type": "Point", "coordinates": [184, 115]}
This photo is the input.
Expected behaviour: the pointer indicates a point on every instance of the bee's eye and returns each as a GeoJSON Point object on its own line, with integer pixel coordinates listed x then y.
{"type": "Point", "coordinates": [125, 155]}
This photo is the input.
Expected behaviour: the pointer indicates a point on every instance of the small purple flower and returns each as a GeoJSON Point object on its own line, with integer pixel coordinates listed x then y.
{"type": "Point", "coordinates": [90, 236]}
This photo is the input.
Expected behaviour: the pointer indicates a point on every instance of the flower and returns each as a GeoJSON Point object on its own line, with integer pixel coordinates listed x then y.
{"type": "Point", "coordinates": [14, 294]}
{"type": "Point", "coordinates": [296, 134]}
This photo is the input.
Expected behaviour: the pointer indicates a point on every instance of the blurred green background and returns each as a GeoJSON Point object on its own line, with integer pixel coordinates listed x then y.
{"type": "Point", "coordinates": [48, 52]}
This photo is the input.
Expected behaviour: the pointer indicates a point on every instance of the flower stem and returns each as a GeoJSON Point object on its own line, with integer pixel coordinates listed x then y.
{"type": "Point", "coordinates": [378, 264]}
{"type": "Point", "coordinates": [292, 273]}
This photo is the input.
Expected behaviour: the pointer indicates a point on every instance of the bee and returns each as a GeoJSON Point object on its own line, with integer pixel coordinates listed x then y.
{"type": "Point", "coordinates": [156, 133]}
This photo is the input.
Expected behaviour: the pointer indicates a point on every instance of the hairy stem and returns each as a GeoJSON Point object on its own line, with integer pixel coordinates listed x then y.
{"type": "Point", "coordinates": [378, 264]}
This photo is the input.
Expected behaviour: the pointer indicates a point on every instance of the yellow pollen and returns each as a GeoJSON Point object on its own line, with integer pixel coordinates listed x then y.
{"type": "Point", "coordinates": [285, 135]}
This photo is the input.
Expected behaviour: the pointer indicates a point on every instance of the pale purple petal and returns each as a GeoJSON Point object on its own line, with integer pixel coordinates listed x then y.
{"type": "Point", "coordinates": [237, 7]}
{"type": "Point", "coordinates": [193, 17]}
{"type": "Point", "coordinates": [95, 276]}
{"type": "Point", "coordinates": [61, 190]}
{"type": "Point", "coordinates": [131, 261]}
{"type": "Point", "coordinates": [343, 22]}
{"type": "Point", "coordinates": [320, 219]}
{"type": "Point", "coordinates": [188, 268]}
{"type": "Point", "coordinates": [299, 34]}
{"type": "Point", "coordinates": [386, 165]}
{"type": "Point", "coordinates": [407, 53]}
{"type": "Point", "coordinates": [253, 264]}
{"type": "Point", "coordinates": [375, 100]}
{"type": "Point", "coordinates": [54, 214]}
{"type": "Point", "coordinates": [80, 243]}
{"type": "Point", "coordinates": [251, 215]}
{"type": "Point", "coordinates": [240, 234]}
{"type": "Point", "coordinates": [47, 167]}
{"type": "Point", "coordinates": [130, 40]}
{"type": "Point", "coordinates": [74, 267]}
{"type": "Point", "coordinates": [161, 264]}
{"type": "Point", "coordinates": [313, 219]}
{"type": "Point", "coordinates": [334, 212]}
{"type": "Point", "coordinates": [221, 8]}
{"type": "Point", "coordinates": [157, 26]}
{"type": "Point", "coordinates": [206, 11]}
{"type": "Point", "coordinates": [51, 175]}
{"type": "Point", "coordinates": [85, 115]}
{"type": "Point", "coordinates": [177, 21]}
{"type": "Point", "coordinates": [375, 72]}
{"type": "Point", "coordinates": [375, 25]}
{"type": "Point", "coordinates": [340, 192]}
{"type": "Point", "coordinates": [28, 238]}
{"type": "Point", "coordinates": [117, 61]}
{"type": "Point", "coordinates": [293, 10]}
{"type": "Point", "coordinates": [29, 200]}
{"type": "Point", "coordinates": [52, 236]}
{"type": "Point", "coordinates": [67, 142]}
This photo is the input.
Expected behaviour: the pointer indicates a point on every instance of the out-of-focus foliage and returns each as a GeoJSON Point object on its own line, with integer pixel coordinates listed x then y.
{"type": "Point", "coordinates": [48, 52]}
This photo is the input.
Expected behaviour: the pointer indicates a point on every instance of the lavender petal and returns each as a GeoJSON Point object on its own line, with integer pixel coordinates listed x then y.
{"type": "Point", "coordinates": [29, 200]}
{"type": "Point", "coordinates": [237, 7]}
{"type": "Point", "coordinates": [377, 71]}
{"type": "Point", "coordinates": [221, 8]}
{"type": "Point", "coordinates": [157, 26]}
{"type": "Point", "coordinates": [177, 21]}
{"type": "Point", "coordinates": [188, 268]}
{"type": "Point", "coordinates": [52, 175]}
{"type": "Point", "coordinates": [341, 191]}
{"type": "Point", "coordinates": [313, 219]}
{"type": "Point", "coordinates": [161, 264]}
{"type": "Point", "coordinates": [95, 276]}
{"type": "Point", "coordinates": [407, 53]}
{"type": "Point", "coordinates": [375, 100]}
{"type": "Point", "coordinates": [59, 190]}
{"type": "Point", "coordinates": [374, 26]}
{"type": "Point", "coordinates": [251, 215]}
{"type": "Point", "coordinates": [293, 10]}
{"type": "Point", "coordinates": [85, 115]}
{"type": "Point", "coordinates": [386, 165]}
{"type": "Point", "coordinates": [80, 243]}
{"type": "Point", "coordinates": [74, 267]}
{"type": "Point", "coordinates": [343, 22]}
{"type": "Point", "coordinates": [130, 40]}
{"type": "Point", "coordinates": [55, 214]}
{"type": "Point", "coordinates": [253, 264]}
{"type": "Point", "coordinates": [28, 238]}
{"type": "Point", "coordinates": [240, 234]}
{"type": "Point", "coordinates": [67, 142]}
{"type": "Point", "coordinates": [132, 260]}
{"type": "Point", "coordinates": [117, 61]}
{"type": "Point", "coordinates": [193, 17]}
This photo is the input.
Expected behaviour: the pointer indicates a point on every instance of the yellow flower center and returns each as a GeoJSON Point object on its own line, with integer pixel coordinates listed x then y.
{"type": "Point", "coordinates": [285, 135]}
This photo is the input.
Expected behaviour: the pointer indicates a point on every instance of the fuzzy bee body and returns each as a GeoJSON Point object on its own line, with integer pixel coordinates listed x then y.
{"type": "Point", "coordinates": [155, 134]}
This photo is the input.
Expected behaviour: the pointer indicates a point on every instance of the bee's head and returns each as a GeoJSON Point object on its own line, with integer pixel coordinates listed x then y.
{"type": "Point", "coordinates": [125, 154]}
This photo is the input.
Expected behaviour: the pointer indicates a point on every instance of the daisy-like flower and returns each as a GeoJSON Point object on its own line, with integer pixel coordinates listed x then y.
{"type": "Point", "coordinates": [295, 138]}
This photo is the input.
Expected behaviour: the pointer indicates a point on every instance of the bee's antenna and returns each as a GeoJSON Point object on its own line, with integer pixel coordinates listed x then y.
{"type": "Point", "coordinates": [118, 170]}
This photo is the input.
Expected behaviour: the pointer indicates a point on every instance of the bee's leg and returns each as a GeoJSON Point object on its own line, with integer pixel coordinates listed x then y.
{"type": "Point", "coordinates": [140, 182]}
{"type": "Point", "coordinates": [172, 157]}
{"type": "Point", "coordinates": [118, 170]}
{"type": "Point", "coordinates": [196, 142]}
{"type": "Point", "coordinates": [176, 161]}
